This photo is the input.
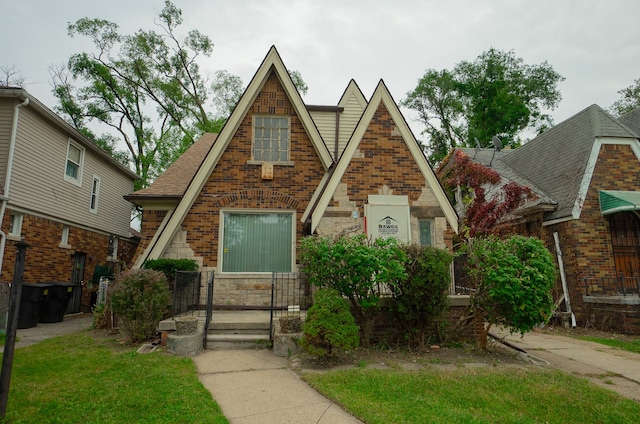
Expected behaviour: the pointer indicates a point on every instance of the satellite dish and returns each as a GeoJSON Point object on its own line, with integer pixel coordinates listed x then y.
{"type": "Point", "coordinates": [497, 144]}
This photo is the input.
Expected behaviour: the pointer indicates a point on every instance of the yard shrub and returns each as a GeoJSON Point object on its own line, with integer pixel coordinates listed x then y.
{"type": "Point", "coordinates": [139, 298]}
{"type": "Point", "coordinates": [329, 326]}
{"type": "Point", "coordinates": [513, 279]}
{"type": "Point", "coordinates": [420, 300]}
{"type": "Point", "coordinates": [359, 269]}
{"type": "Point", "coordinates": [169, 266]}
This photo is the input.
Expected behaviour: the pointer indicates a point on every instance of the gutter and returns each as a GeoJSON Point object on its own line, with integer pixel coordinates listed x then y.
{"type": "Point", "coordinates": [7, 178]}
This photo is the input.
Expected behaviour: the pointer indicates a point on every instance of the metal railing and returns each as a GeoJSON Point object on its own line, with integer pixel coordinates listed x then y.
{"type": "Point", "coordinates": [611, 286]}
{"type": "Point", "coordinates": [208, 309]}
{"type": "Point", "coordinates": [186, 292]}
{"type": "Point", "coordinates": [290, 295]}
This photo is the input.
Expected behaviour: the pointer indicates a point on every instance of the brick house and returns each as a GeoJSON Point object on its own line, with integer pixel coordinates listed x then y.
{"type": "Point", "coordinates": [239, 202]}
{"type": "Point", "coordinates": [584, 175]}
{"type": "Point", "coordinates": [63, 195]}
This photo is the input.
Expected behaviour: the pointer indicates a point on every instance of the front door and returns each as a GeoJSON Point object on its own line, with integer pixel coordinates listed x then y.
{"type": "Point", "coordinates": [77, 278]}
{"type": "Point", "coordinates": [625, 238]}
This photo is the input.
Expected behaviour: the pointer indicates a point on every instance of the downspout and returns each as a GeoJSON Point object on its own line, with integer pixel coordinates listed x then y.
{"type": "Point", "coordinates": [7, 177]}
{"type": "Point", "coordinates": [563, 278]}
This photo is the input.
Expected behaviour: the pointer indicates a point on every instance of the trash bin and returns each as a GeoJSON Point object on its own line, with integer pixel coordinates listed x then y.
{"type": "Point", "coordinates": [31, 304]}
{"type": "Point", "coordinates": [55, 304]}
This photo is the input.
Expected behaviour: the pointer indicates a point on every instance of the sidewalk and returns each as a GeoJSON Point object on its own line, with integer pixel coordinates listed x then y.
{"type": "Point", "coordinates": [42, 331]}
{"type": "Point", "coordinates": [255, 386]}
{"type": "Point", "coordinates": [611, 368]}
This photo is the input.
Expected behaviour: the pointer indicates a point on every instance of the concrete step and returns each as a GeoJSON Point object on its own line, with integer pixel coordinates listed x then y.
{"type": "Point", "coordinates": [239, 327]}
{"type": "Point", "coordinates": [237, 341]}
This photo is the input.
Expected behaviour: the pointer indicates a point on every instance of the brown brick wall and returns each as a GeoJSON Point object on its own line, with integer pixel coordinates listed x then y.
{"type": "Point", "coordinates": [586, 243]}
{"type": "Point", "coordinates": [236, 184]}
{"type": "Point", "coordinates": [151, 220]}
{"type": "Point", "coordinates": [386, 160]}
{"type": "Point", "coordinates": [46, 261]}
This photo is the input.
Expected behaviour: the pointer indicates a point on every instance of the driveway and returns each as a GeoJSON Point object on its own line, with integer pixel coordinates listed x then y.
{"type": "Point", "coordinates": [607, 367]}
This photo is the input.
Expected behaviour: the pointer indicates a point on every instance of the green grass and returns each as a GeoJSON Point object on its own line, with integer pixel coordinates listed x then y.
{"type": "Point", "coordinates": [82, 379]}
{"type": "Point", "coordinates": [631, 346]}
{"type": "Point", "coordinates": [472, 396]}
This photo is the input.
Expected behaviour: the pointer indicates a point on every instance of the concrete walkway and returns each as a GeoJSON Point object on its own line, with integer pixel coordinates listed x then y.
{"type": "Point", "coordinates": [42, 331]}
{"type": "Point", "coordinates": [607, 367]}
{"type": "Point", "coordinates": [255, 386]}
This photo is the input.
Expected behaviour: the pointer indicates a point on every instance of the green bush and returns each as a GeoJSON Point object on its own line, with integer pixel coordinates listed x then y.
{"type": "Point", "coordinates": [169, 266]}
{"type": "Point", "coordinates": [359, 269]}
{"type": "Point", "coordinates": [329, 326]}
{"type": "Point", "coordinates": [139, 298]}
{"type": "Point", "coordinates": [420, 300]}
{"type": "Point", "coordinates": [513, 280]}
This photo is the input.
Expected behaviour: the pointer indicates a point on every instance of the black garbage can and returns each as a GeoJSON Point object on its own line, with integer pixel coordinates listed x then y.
{"type": "Point", "coordinates": [55, 304]}
{"type": "Point", "coordinates": [31, 302]}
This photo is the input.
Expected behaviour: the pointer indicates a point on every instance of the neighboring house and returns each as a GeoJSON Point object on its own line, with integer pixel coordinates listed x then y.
{"type": "Point", "coordinates": [63, 195]}
{"type": "Point", "coordinates": [279, 170]}
{"type": "Point", "coordinates": [584, 176]}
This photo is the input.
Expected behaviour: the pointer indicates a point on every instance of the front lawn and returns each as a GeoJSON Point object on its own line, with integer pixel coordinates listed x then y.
{"type": "Point", "coordinates": [81, 378]}
{"type": "Point", "coordinates": [628, 344]}
{"type": "Point", "coordinates": [508, 395]}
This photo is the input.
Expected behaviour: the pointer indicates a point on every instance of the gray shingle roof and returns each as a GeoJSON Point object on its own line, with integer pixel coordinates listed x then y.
{"type": "Point", "coordinates": [556, 160]}
{"type": "Point", "coordinates": [632, 120]}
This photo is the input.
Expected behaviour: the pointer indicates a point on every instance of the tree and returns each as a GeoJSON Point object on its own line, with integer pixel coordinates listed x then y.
{"type": "Point", "coordinates": [10, 76]}
{"type": "Point", "coordinates": [465, 183]}
{"type": "Point", "coordinates": [147, 87]}
{"type": "Point", "coordinates": [630, 99]}
{"type": "Point", "coordinates": [496, 95]}
{"type": "Point", "coordinates": [512, 279]}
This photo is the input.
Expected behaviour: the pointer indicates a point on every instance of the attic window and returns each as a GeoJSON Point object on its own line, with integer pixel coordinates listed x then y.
{"type": "Point", "coordinates": [271, 138]}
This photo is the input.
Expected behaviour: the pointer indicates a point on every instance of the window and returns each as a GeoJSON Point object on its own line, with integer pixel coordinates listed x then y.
{"type": "Point", "coordinates": [95, 191]}
{"type": "Point", "coordinates": [425, 232]}
{"type": "Point", "coordinates": [257, 242]}
{"type": "Point", "coordinates": [15, 226]}
{"type": "Point", "coordinates": [73, 170]}
{"type": "Point", "coordinates": [64, 239]}
{"type": "Point", "coordinates": [271, 138]}
{"type": "Point", "coordinates": [112, 253]}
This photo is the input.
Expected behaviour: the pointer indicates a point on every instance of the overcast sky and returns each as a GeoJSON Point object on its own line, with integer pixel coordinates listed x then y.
{"type": "Point", "coordinates": [594, 44]}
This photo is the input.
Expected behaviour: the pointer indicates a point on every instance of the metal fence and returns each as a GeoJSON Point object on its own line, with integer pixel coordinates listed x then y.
{"type": "Point", "coordinates": [462, 282]}
{"type": "Point", "coordinates": [290, 293]}
{"type": "Point", "coordinates": [611, 286]}
{"type": "Point", "coordinates": [190, 292]}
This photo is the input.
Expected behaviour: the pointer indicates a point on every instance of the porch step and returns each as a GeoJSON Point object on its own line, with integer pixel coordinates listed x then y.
{"type": "Point", "coordinates": [239, 328]}
{"type": "Point", "coordinates": [237, 341]}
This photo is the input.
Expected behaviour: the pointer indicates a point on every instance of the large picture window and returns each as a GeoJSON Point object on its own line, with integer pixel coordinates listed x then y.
{"type": "Point", "coordinates": [257, 242]}
{"type": "Point", "coordinates": [271, 138]}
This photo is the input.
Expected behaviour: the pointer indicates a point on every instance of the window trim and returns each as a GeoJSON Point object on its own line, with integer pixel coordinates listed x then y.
{"type": "Point", "coordinates": [114, 254]}
{"type": "Point", "coordinates": [64, 237]}
{"type": "Point", "coordinates": [253, 160]}
{"type": "Point", "coordinates": [95, 194]}
{"type": "Point", "coordinates": [15, 232]}
{"type": "Point", "coordinates": [224, 211]}
{"type": "Point", "coordinates": [432, 224]}
{"type": "Point", "coordinates": [78, 180]}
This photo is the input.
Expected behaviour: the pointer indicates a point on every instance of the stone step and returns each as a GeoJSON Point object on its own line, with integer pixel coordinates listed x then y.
{"type": "Point", "coordinates": [237, 341]}
{"type": "Point", "coordinates": [239, 327]}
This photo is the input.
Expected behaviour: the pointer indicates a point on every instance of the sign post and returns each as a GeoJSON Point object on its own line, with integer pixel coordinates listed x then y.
{"type": "Point", "coordinates": [12, 326]}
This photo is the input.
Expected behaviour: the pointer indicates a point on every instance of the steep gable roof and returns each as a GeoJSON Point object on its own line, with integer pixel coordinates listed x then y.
{"type": "Point", "coordinates": [172, 183]}
{"type": "Point", "coordinates": [272, 63]}
{"type": "Point", "coordinates": [381, 95]}
{"type": "Point", "coordinates": [561, 160]}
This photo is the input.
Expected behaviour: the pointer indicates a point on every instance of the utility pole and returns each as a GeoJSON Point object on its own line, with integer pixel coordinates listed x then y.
{"type": "Point", "coordinates": [12, 326]}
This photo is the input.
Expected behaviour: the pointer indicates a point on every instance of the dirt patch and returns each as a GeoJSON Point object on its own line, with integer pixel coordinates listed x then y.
{"type": "Point", "coordinates": [438, 357]}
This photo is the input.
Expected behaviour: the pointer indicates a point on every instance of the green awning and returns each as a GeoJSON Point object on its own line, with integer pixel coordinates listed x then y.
{"type": "Point", "coordinates": [612, 201]}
